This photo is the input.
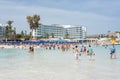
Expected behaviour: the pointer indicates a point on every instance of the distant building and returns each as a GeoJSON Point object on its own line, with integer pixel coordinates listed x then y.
{"type": "Point", "coordinates": [42, 30]}
{"type": "Point", "coordinates": [2, 30]}
{"type": "Point", "coordinates": [113, 34]}
{"type": "Point", "coordinates": [61, 31]}
{"type": "Point", "coordinates": [77, 32]}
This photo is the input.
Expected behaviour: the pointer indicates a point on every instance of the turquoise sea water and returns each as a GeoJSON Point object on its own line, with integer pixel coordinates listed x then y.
{"type": "Point", "coordinates": [19, 64]}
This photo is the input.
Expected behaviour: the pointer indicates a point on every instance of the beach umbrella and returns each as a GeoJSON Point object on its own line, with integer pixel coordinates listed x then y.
{"type": "Point", "coordinates": [112, 41]}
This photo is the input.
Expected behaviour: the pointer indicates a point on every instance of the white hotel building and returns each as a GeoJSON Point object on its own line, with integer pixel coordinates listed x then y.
{"type": "Point", "coordinates": [2, 30]}
{"type": "Point", "coordinates": [76, 31]}
{"type": "Point", "coordinates": [61, 30]}
{"type": "Point", "coordinates": [42, 30]}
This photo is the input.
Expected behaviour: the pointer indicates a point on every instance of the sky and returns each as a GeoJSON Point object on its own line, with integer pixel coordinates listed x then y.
{"type": "Point", "coordinates": [99, 16]}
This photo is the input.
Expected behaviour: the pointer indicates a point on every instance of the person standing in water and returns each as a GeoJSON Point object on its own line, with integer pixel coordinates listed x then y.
{"type": "Point", "coordinates": [76, 52]}
{"type": "Point", "coordinates": [90, 52]}
{"type": "Point", "coordinates": [112, 51]}
{"type": "Point", "coordinates": [31, 49]}
{"type": "Point", "coordinates": [84, 50]}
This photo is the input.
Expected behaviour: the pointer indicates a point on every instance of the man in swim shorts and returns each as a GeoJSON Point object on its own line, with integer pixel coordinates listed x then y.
{"type": "Point", "coordinates": [77, 52]}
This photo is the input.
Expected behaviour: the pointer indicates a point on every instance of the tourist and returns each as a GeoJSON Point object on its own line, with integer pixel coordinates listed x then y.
{"type": "Point", "coordinates": [90, 52]}
{"type": "Point", "coordinates": [76, 52]}
{"type": "Point", "coordinates": [31, 49]}
{"type": "Point", "coordinates": [84, 50]}
{"type": "Point", "coordinates": [112, 51]}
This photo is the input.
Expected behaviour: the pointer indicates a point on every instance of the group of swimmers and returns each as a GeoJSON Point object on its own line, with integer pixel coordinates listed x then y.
{"type": "Point", "coordinates": [63, 47]}
{"type": "Point", "coordinates": [67, 47]}
{"type": "Point", "coordinates": [77, 51]}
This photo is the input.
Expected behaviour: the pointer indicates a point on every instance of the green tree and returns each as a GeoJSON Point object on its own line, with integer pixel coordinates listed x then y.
{"type": "Point", "coordinates": [22, 34]}
{"type": "Point", "coordinates": [30, 34]}
{"type": "Point", "coordinates": [33, 22]}
{"type": "Point", "coordinates": [47, 35]}
{"type": "Point", "coordinates": [9, 23]}
{"type": "Point", "coordinates": [18, 36]}
{"type": "Point", "coordinates": [52, 34]}
{"type": "Point", "coordinates": [13, 33]}
{"type": "Point", "coordinates": [25, 33]}
{"type": "Point", "coordinates": [8, 29]}
{"type": "Point", "coordinates": [7, 32]}
{"type": "Point", "coordinates": [40, 37]}
{"type": "Point", "coordinates": [67, 35]}
{"type": "Point", "coordinates": [113, 37]}
{"type": "Point", "coordinates": [107, 36]}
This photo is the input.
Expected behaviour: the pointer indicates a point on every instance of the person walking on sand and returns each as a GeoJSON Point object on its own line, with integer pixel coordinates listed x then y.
{"type": "Point", "coordinates": [76, 52]}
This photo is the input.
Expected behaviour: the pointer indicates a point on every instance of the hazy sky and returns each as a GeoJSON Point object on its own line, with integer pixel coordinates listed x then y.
{"type": "Point", "coordinates": [98, 16]}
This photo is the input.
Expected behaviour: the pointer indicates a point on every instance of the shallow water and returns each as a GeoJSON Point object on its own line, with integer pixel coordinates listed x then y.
{"type": "Point", "coordinates": [19, 64]}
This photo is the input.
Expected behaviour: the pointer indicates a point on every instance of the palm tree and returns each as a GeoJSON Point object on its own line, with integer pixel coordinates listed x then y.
{"type": "Point", "coordinates": [33, 22]}
{"type": "Point", "coordinates": [67, 35]}
{"type": "Point", "coordinates": [25, 33]}
{"type": "Point", "coordinates": [10, 24]}
{"type": "Point", "coordinates": [29, 19]}
{"type": "Point", "coordinates": [14, 33]}
{"type": "Point", "coordinates": [47, 35]}
{"type": "Point", "coordinates": [52, 34]}
{"type": "Point", "coordinates": [9, 29]}
{"type": "Point", "coordinates": [22, 34]}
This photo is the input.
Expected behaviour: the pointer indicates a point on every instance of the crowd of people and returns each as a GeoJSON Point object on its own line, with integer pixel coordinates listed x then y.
{"type": "Point", "coordinates": [78, 49]}
{"type": "Point", "coordinates": [83, 50]}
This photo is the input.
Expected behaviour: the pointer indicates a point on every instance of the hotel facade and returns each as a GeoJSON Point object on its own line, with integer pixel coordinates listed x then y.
{"type": "Point", "coordinates": [59, 31]}
{"type": "Point", "coordinates": [2, 30]}
{"type": "Point", "coordinates": [76, 32]}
